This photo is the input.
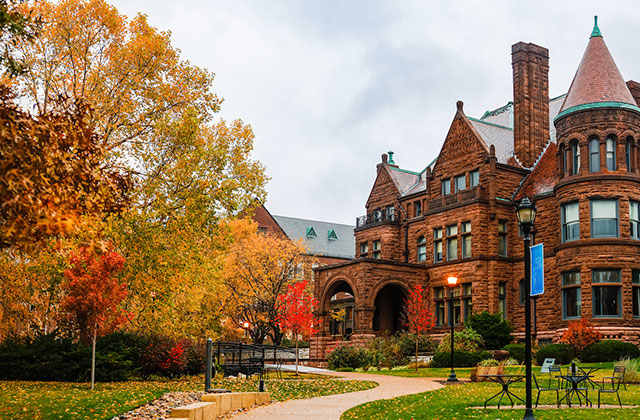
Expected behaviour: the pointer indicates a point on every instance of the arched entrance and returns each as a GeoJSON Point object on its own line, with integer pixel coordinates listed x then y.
{"type": "Point", "coordinates": [390, 312]}
{"type": "Point", "coordinates": [341, 307]}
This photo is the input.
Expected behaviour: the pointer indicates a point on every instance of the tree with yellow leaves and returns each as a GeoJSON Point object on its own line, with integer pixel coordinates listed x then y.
{"type": "Point", "coordinates": [258, 268]}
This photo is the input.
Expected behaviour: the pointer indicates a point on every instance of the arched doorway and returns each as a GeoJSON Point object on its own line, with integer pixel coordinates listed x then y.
{"type": "Point", "coordinates": [341, 307]}
{"type": "Point", "coordinates": [390, 312]}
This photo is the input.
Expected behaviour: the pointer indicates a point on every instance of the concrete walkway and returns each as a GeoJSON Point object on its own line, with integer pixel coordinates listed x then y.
{"type": "Point", "coordinates": [331, 407]}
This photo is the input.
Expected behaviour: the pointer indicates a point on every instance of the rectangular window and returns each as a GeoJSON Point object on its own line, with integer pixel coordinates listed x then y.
{"type": "Point", "coordinates": [446, 186]}
{"type": "Point", "coordinates": [439, 298]}
{"type": "Point", "coordinates": [607, 293]}
{"type": "Point", "coordinates": [437, 245]}
{"type": "Point", "coordinates": [452, 242]}
{"type": "Point", "coordinates": [467, 303]}
{"type": "Point", "coordinates": [502, 238]}
{"type": "Point", "coordinates": [422, 249]}
{"type": "Point", "coordinates": [376, 250]}
{"type": "Point", "coordinates": [594, 155]}
{"type": "Point", "coordinates": [377, 215]}
{"type": "Point", "coordinates": [417, 208]}
{"type": "Point", "coordinates": [571, 295]}
{"type": "Point", "coordinates": [461, 182]}
{"type": "Point", "coordinates": [466, 239]}
{"type": "Point", "coordinates": [570, 222]}
{"type": "Point", "coordinates": [364, 248]}
{"type": "Point", "coordinates": [502, 300]}
{"type": "Point", "coordinates": [474, 178]}
{"type": "Point", "coordinates": [635, 283]}
{"type": "Point", "coordinates": [634, 219]}
{"type": "Point", "coordinates": [604, 218]}
{"type": "Point", "coordinates": [390, 213]}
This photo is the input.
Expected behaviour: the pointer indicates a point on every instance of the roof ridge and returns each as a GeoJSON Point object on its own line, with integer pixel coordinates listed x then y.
{"type": "Point", "coordinates": [489, 123]}
{"type": "Point", "coordinates": [312, 220]}
{"type": "Point", "coordinates": [404, 170]}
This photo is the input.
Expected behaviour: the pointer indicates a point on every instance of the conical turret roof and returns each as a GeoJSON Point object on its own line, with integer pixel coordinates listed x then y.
{"type": "Point", "coordinates": [598, 80]}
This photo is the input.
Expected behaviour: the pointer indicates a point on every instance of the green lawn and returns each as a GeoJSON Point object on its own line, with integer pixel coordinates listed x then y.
{"type": "Point", "coordinates": [60, 400]}
{"type": "Point", "coordinates": [453, 402]}
{"type": "Point", "coordinates": [605, 370]}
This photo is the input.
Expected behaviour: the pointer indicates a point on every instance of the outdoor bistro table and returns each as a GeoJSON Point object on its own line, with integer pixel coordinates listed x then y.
{"type": "Point", "coordinates": [574, 379]}
{"type": "Point", "coordinates": [588, 372]}
{"type": "Point", "coordinates": [505, 381]}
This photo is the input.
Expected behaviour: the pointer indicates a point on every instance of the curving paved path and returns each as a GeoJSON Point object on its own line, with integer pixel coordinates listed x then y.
{"type": "Point", "coordinates": [331, 407]}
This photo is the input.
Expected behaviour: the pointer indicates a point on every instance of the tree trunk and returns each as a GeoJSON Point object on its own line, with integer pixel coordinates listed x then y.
{"type": "Point", "coordinates": [416, 361]}
{"type": "Point", "coordinates": [296, 338]}
{"type": "Point", "coordinates": [93, 357]}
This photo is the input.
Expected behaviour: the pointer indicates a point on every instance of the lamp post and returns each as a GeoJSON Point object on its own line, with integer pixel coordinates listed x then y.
{"type": "Point", "coordinates": [452, 282]}
{"type": "Point", "coordinates": [526, 212]}
{"type": "Point", "coordinates": [246, 325]}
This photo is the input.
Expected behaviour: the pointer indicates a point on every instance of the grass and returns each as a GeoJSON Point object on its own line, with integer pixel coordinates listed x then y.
{"type": "Point", "coordinates": [453, 402]}
{"type": "Point", "coordinates": [605, 368]}
{"type": "Point", "coordinates": [60, 400]}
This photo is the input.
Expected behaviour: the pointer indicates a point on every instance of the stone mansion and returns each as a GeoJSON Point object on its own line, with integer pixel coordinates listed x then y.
{"type": "Point", "coordinates": [575, 156]}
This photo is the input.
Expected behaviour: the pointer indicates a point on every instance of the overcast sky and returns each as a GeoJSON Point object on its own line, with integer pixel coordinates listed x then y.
{"type": "Point", "coordinates": [328, 86]}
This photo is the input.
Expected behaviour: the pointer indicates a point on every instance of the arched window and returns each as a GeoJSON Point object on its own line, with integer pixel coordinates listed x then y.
{"type": "Point", "coordinates": [422, 249]}
{"type": "Point", "coordinates": [627, 153]}
{"type": "Point", "coordinates": [575, 157]}
{"type": "Point", "coordinates": [594, 155]}
{"type": "Point", "coordinates": [611, 153]}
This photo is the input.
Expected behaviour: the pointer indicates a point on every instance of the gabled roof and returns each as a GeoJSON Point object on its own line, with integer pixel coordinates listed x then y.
{"type": "Point", "coordinates": [543, 177]}
{"type": "Point", "coordinates": [403, 178]}
{"type": "Point", "coordinates": [342, 247]}
{"type": "Point", "coordinates": [597, 81]}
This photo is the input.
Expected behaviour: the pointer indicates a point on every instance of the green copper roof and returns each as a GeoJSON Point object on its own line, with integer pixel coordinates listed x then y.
{"type": "Point", "coordinates": [596, 105]}
{"type": "Point", "coordinates": [596, 30]}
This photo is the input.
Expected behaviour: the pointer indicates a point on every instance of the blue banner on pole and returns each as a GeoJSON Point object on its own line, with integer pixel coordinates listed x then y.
{"type": "Point", "coordinates": [537, 270]}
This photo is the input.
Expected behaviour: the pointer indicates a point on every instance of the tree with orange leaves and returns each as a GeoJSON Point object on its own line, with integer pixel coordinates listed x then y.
{"type": "Point", "coordinates": [296, 315]}
{"type": "Point", "coordinates": [419, 316]}
{"type": "Point", "coordinates": [93, 296]}
{"type": "Point", "coordinates": [579, 335]}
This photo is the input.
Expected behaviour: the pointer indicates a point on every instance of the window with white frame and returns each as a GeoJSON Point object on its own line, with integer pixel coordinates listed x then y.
{"type": "Point", "coordinates": [611, 153]}
{"type": "Point", "coordinates": [604, 218]}
{"type": "Point", "coordinates": [634, 219]}
{"type": "Point", "coordinates": [474, 178]}
{"type": "Point", "coordinates": [452, 242]}
{"type": "Point", "coordinates": [437, 245]}
{"type": "Point", "coordinates": [446, 186]}
{"type": "Point", "coordinates": [461, 182]}
{"type": "Point", "coordinates": [422, 249]}
{"type": "Point", "coordinates": [594, 155]}
{"type": "Point", "coordinates": [570, 222]}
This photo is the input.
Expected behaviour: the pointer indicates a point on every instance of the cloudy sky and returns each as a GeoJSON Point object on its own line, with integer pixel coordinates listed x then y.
{"type": "Point", "coordinates": [328, 86]}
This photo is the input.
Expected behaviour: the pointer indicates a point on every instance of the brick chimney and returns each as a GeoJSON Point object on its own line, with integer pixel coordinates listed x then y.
{"type": "Point", "coordinates": [634, 88]}
{"type": "Point", "coordinates": [530, 64]}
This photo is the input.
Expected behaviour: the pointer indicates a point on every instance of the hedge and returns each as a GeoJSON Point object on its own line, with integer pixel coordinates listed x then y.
{"type": "Point", "coordinates": [516, 351]}
{"type": "Point", "coordinates": [561, 352]}
{"type": "Point", "coordinates": [609, 351]}
{"type": "Point", "coordinates": [460, 358]}
{"type": "Point", "coordinates": [119, 357]}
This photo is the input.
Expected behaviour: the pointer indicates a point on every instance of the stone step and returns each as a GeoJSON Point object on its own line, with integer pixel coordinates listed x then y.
{"type": "Point", "coordinates": [195, 411]}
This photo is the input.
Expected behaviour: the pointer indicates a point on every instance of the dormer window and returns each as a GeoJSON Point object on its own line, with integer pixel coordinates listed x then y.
{"type": "Point", "coordinates": [331, 235]}
{"type": "Point", "coordinates": [311, 233]}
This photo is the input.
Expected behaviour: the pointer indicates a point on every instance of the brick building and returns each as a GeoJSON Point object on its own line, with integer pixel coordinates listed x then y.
{"type": "Point", "coordinates": [575, 156]}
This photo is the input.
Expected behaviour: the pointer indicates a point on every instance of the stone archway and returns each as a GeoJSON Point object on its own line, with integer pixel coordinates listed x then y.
{"type": "Point", "coordinates": [390, 313]}
{"type": "Point", "coordinates": [338, 305]}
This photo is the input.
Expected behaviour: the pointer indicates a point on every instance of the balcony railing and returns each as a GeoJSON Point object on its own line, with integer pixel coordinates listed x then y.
{"type": "Point", "coordinates": [460, 197]}
{"type": "Point", "coordinates": [376, 218]}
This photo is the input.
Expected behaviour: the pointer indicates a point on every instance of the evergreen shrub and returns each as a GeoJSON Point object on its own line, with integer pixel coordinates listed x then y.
{"type": "Point", "coordinates": [609, 351]}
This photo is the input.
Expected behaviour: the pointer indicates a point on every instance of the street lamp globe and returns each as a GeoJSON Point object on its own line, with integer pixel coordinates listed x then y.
{"type": "Point", "coordinates": [452, 280]}
{"type": "Point", "coordinates": [526, 212]}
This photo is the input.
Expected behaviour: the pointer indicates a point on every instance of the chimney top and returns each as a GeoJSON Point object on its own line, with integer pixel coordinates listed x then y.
{"type": "Point", "coordinates": [391, 162]}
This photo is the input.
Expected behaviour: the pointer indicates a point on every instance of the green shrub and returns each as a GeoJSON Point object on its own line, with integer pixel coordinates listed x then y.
{"type": "Point", "coordinates": [460, 358]}
{"type": "Point", "coordinates": [489, 363]}
{"type": "Point", "coordinates": [609, 350]}
{"type": "Point", "coordinates": [466, 340]}
{"type": "Point", "coordinates": [348, 356]}
{"type": "Point", "coordinates": [495, 331]}
{"type": "Point", "coordinates": [561, 352]}
{"type": "Point", "coordinates": [631, 369]}
{"type": "Point", "coordinates": [387, 352]}
{"type": "Point", "coordinates": [516, 351]}
{"type": "Point", "coordinates": [407, 341]}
